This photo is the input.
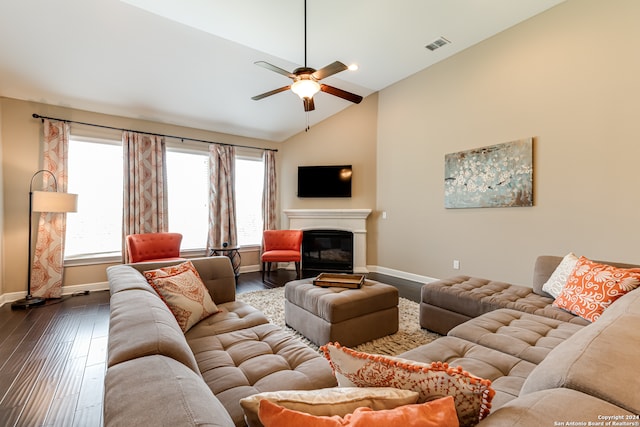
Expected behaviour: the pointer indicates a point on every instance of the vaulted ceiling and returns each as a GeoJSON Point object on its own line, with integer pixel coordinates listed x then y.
{"type": "Point", "coordinates": [191, 62]}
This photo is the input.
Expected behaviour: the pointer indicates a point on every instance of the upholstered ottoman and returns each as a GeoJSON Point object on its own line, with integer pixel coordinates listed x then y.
{"type": "Point", "coordinates": [347, 316]}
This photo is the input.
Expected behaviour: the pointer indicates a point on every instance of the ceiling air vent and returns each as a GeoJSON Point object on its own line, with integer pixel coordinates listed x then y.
{"type": "Point", "coordinates": [437, 43]}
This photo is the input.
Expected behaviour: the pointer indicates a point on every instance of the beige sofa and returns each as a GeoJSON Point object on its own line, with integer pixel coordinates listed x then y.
{"type": "Point", "coordinates": [546, 371]}
{"type": "Point", "coordinates": [157, 375]}
{"type": "Point", "coordinates": [548, 368]}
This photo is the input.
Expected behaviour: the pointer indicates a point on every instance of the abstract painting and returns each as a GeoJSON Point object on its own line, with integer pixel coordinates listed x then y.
{"type": "Point", "coordinates": [496, 176]}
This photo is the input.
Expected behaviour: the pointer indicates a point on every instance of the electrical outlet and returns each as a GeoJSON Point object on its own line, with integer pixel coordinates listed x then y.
{"type": "Point", "coordinates": [456, 264]}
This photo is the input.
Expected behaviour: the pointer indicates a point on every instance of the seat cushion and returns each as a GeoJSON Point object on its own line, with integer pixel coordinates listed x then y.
{"type": "Point", "coordinates": [473, 296]}
{"type": "Point", "coordinates": [232, 316]}
{"type": "Point", "coordinates": [281, 255]}
{"type": "Point", "coordinates": [507, 373]}
{"type": "Point", "coordinates": [527, 336]}
{"type": "Point", "coordinates": [261, 358]}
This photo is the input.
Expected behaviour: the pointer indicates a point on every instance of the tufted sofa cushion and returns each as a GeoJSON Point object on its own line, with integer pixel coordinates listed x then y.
{"type": "Point", "coordinates": [261, 358]}
{"type": "Point", "coordinates": [232, 316]}
{"type": "Point", "coordinates": [529, 337]}
{"type": "Point", "coordinates": [461, 298]}
{"type": "Point", "coordinates": [506, 372]}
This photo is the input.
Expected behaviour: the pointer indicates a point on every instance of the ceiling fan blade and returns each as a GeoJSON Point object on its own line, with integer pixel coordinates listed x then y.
{"type": "Point", "coordinates": [329, 70]}
{"type": "Point", "coordinates": [341, 93]}
{"type": "Point", "coordinates": [274, 68]}
{"type": "Point", "coordinates": [308, 104]}
{"type": "Point", "coordinates": [271, 92]}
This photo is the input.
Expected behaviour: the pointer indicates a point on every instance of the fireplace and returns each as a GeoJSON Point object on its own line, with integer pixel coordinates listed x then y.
{"type": "Point", "coordinates": [327, 250]}
{"type": "Point", "coordinates": [351, 220]}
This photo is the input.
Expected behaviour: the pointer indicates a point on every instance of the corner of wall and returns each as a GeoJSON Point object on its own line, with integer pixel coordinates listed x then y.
{"type": "Point", "coordinates": [2, 269]}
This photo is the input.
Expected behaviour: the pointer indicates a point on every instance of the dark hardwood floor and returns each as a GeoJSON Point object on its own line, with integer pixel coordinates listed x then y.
{"type": "Point", "coordinates": [52, 362]}
{"type": "Point", "coordinates": [53, 358]}
{"type": "Point", "coordinates": [252, 282]}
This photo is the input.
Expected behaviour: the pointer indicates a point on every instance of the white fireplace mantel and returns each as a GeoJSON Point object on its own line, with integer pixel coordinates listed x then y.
{"type": "Point", "coordinates": [354, 220]}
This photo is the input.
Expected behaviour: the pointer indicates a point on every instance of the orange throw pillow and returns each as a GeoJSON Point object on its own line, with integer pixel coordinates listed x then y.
{"type": "Point", "coordinates": [592, 287]}
{"type": "Point", "coordinates": [472, 395]}
{"type": "Point", "coordinates": [437, 413]}
{"type": "Point", "coordinates": [182, 289]}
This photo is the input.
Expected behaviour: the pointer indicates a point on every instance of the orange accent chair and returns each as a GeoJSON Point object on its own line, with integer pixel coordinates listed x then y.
{"type": "Point", "coordinates": [148, 247]}
{"type": "Point", "coordinates": [281, 246]}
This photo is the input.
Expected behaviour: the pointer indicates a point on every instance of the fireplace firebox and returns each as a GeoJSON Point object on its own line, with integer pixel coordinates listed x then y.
{"type": "Point", "coordinates": [327, 250]}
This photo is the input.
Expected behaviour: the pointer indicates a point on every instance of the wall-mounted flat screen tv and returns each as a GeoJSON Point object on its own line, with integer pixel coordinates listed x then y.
{"type": "Point", "coordinates": [324, 181]}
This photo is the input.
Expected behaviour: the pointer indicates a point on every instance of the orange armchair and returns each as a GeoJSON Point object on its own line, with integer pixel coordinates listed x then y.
{"type": "Point", "coordinates": [281, 246]}
{"type": "Point", "coordinates": [153, 247]}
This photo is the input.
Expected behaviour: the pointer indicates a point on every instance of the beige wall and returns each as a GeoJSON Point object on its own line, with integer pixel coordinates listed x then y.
{"type": "Point", "coordinates": [569, 78]}
{"type": "Point", "coordinates": [347, 138]}
{"type": "Point", "coordinates": [20, 138]}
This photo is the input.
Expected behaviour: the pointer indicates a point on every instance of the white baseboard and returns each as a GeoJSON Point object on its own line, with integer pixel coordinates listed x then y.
{"type": "Point", "coordinates": [66, 290]}
{"type": "Point", "coordinates": [103, 286]}
{"type": "Point", "coordinates": [401, 274]}
{"type": "Point", "coordinates": [370, 268]}
{"type": "Point", "coordinates": [91, 287]}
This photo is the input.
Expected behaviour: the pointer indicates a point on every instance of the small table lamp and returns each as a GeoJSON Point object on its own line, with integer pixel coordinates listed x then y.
{"type": "Point", "coordinates": [44, 201]}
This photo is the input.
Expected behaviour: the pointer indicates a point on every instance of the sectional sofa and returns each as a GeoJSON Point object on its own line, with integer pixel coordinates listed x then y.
{"type": "Point", "coordinates": [544, 370]}
{"type": "Point", "coordinates": [158, 375]}
{"type": "Point", "coordinates": [548, 367]}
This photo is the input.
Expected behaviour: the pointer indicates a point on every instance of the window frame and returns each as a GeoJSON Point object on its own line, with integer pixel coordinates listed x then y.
{"type": "Point", "coordinates": [107, 138]}
{"type": "Point", "coordinates": [113, 137]}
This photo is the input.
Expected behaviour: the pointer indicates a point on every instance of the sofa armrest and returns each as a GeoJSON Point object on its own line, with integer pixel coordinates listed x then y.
{"type": "Point", "coordinates": [159, 391]}
{"type": "Point", "coordinates": [543, 269]}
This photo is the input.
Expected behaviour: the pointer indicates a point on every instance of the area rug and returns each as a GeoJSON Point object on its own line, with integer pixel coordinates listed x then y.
{"type": "Point", "coordinates": [409, 335]}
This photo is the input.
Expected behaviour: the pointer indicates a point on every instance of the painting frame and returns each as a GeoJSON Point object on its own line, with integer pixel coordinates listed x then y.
{"type": "Point", "coordinates": [494, 176]}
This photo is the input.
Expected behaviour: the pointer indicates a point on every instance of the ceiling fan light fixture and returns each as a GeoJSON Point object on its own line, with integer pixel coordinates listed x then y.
{"type": "Point", "coordinates": [305, 88]}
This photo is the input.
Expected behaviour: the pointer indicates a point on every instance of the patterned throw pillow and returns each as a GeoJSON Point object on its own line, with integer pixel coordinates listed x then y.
{"type": "Point", "coordinates": [328, 401]}
{"type": "Point", "coordinates": [438, 413]}
{"type": "Point", "coordinates": [181, 288]}
{"type": "Point", "coordinates": [560, 276]}
{"type": "Point", "coordinates": [592, 287]}
{"type": "Point", "coordinates": [472, 395]}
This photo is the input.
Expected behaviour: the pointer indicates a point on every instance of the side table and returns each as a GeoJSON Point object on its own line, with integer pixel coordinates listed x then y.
{"type": "Point", "coordinates": [231, 252]}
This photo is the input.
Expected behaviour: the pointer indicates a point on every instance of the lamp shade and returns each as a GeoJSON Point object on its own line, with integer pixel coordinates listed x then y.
{"type": "Point", "coordinates": [53, 201]}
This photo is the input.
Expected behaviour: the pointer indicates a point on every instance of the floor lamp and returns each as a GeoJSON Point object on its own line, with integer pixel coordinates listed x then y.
{"type": "Point", "coordinates": [44, 201]}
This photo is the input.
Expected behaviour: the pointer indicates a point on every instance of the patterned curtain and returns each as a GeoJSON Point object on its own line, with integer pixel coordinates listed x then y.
{"type": "Point", "coordinates": [47, 266]}
{"type": "Point", "coordinates": [145, 200]}
{"type": "Point", "coordinates": [222, 197]}
{"type": "Point", "coordinates": [269, 191]}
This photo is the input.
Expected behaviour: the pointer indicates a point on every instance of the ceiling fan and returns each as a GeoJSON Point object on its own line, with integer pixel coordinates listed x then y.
{"type": "Point", "coordinates": [305, 79]}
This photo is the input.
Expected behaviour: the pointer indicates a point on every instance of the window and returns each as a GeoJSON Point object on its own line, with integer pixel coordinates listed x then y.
{"type": "Point", "coordinates": [95, 175]}
{"type": "Point", "coordinates": [188, 196]}
{"type": "Point", "coordinates": [249, 186]}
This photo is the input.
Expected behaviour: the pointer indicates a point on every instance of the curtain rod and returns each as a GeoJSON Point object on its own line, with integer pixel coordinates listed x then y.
{"type": "Point", "coordinates": [37, 116]}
